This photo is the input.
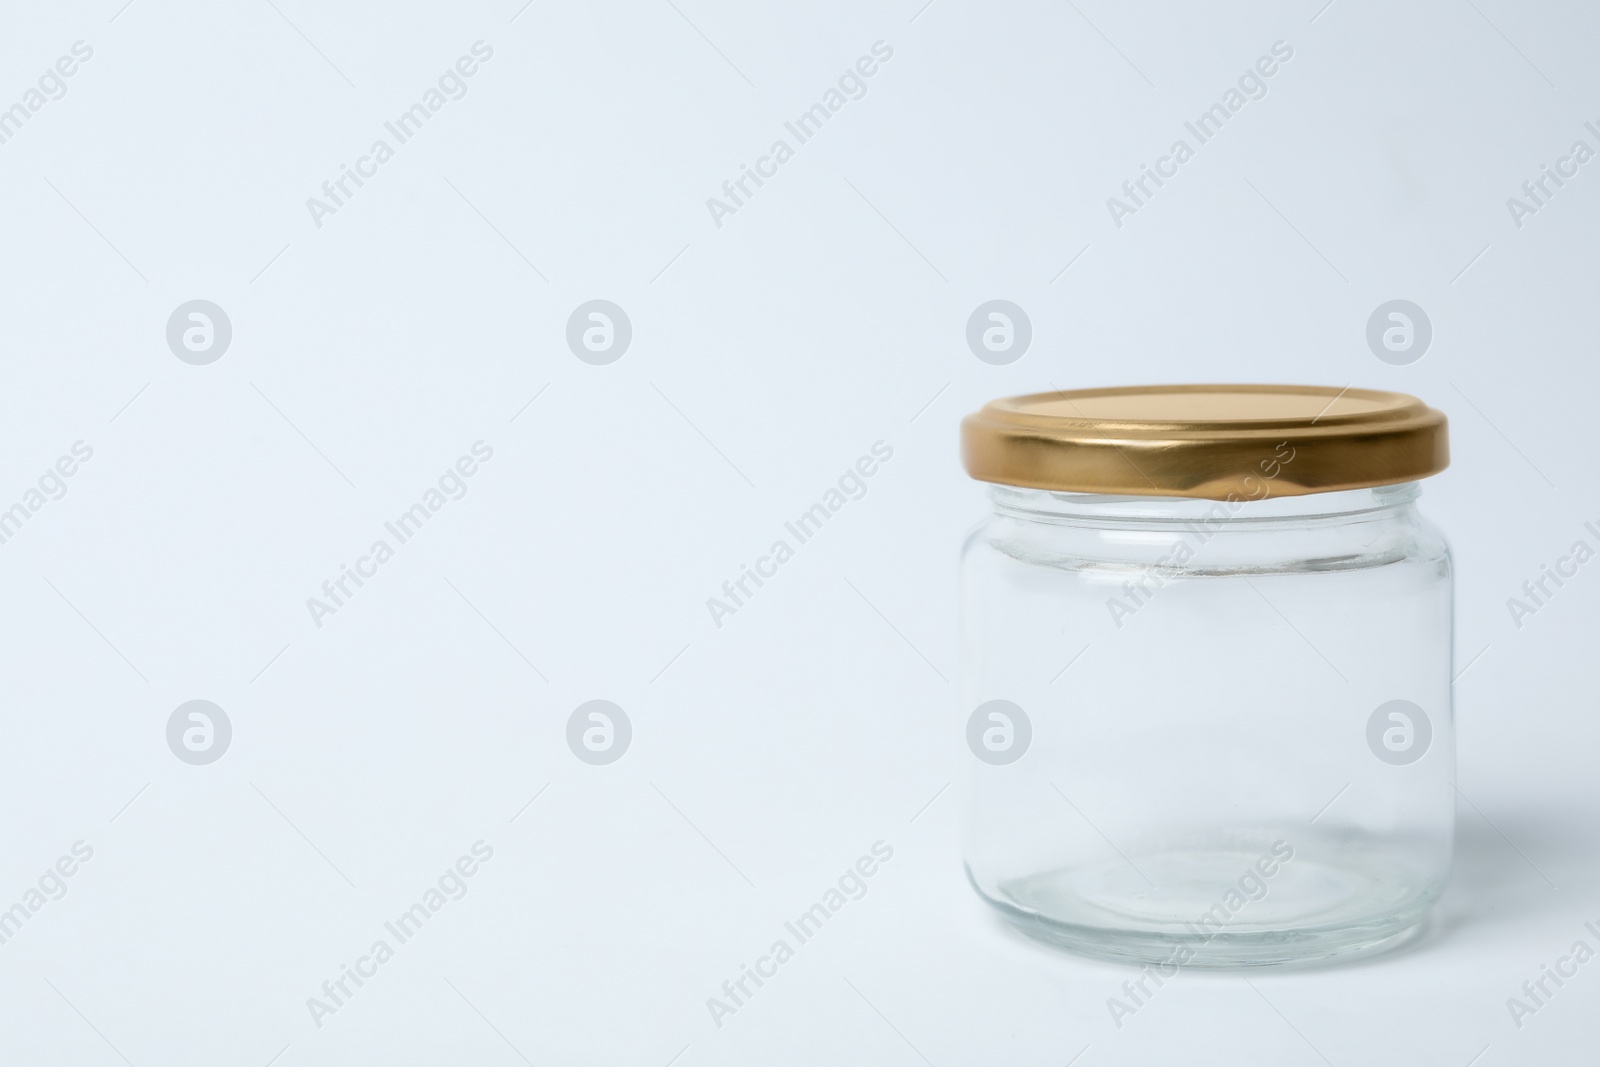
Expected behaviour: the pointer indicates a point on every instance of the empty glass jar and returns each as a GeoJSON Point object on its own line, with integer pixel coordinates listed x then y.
{"type": "Point", "coordinates": [1206, 671]}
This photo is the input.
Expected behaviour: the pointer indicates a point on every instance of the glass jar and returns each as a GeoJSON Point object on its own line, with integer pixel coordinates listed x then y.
{"type": "Point", "coordinates": [1207, 672]}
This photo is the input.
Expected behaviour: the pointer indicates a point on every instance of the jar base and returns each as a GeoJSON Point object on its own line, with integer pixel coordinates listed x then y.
{"type": "Point", "coordinates": [1331, 913]}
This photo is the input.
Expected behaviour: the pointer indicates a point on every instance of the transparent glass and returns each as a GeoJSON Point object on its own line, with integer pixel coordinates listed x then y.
{"type": "Point", "coordinates": [1209, 733]}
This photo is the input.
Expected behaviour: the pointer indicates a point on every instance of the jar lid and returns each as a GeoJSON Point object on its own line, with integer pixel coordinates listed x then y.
{"type": "Point", "coordinates": [1214, 441]}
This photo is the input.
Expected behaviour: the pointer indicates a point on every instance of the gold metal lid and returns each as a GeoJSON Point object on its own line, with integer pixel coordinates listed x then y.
{"type": "Point", "coordinates": [1214, 441]}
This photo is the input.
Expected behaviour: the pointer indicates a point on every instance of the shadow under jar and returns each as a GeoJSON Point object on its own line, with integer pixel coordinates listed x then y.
{"type": "Point", "coordinates": [1206, 667]}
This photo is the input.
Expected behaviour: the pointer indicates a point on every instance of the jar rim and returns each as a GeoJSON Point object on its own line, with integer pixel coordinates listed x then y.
{"type": "Point", "coordinates": [1208, 441]}
{"type": "Point", "coordinates": [1118, 511]}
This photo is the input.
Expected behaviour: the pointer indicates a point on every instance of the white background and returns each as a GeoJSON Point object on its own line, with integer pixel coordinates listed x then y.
{"type": "Point", "coordinates": [768, 354]}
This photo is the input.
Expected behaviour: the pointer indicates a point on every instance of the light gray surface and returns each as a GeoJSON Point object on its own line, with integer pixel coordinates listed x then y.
{"type": "Point", "coordinates": [827, 313]}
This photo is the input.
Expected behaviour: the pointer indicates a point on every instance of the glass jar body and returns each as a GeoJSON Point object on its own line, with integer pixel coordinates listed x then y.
{"type": "Point", "coordinates": [1210, 733]}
